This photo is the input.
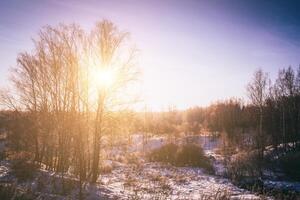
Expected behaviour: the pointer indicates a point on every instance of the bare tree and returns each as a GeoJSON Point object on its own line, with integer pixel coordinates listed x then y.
{"type": "Point", "coordinates": [110, 55]}
{"type": "Point", "coordinates": [72, 87]}
{"type": "Point", "coordinates": [258, 92]}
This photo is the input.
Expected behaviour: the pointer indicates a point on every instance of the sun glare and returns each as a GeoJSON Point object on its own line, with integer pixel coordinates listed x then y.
{"type": "Point", "coordinates": [103, 77]}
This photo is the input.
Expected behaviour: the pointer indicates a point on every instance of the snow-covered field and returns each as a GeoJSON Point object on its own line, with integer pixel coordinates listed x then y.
{"type": "Point", "coordinates": [152, 181]}
{"type": "Point", "coordinates": [144, 180]}
{"type": "Point", "coordinates": [156, 181]}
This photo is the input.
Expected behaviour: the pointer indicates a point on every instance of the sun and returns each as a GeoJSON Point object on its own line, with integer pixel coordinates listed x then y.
{"type": "Point", "coordinates": [103, 78]}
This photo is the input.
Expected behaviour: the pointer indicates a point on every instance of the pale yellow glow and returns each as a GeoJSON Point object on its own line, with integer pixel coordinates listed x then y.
{"type": "Point", "coordinates": [103, 78]}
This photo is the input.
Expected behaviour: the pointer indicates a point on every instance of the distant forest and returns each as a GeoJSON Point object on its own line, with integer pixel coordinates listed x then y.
{"type": "Point", "coordinates": [270, 118]}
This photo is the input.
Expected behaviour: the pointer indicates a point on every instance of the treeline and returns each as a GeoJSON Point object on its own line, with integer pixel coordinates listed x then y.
{"type": "Point", "coordinates": [271, 117]}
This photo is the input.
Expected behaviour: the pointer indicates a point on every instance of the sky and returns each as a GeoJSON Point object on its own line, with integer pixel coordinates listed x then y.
{"type": "Point", "coordinates": [191, 53]}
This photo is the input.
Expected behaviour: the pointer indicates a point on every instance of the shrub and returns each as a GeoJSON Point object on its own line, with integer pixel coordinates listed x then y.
{"type": "Point", "coordinates": [188, 155]}
{"type": "Point", "coordinates": [218, 195]}
{"type": "Point", "coordinates": [23, 170]}
{"type": "Point", "coordinates": [244, 166]}
{"type": "Point", "coordinates": [192, 155]}
{"type": "Point", "coordinates": [10, 191]}
{"type": "Point", "coordinates": [105, 169]}
{"type": "Point", "coordinates": [22, 167]}
{"type": "Point", "coordinates": [290, 164]}
{"type": "Point", "coordinates": [132, 159]}
{"type": "Point", "coordinates": [6, 191]}
{"type": "Point", "coordinates": [166, 154]}
{"type": "Point", "coordinates": [2, 155]}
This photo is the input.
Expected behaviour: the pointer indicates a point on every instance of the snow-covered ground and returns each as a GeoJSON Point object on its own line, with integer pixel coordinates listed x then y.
{"type": "Point", "coordinates": [144, 180]}
{"type": "Point", "coordinates": [207, 142]}
{"type": "Point", "coordinates": [153, 180]}
{"type": "Point", "coordinates": [157, 181]}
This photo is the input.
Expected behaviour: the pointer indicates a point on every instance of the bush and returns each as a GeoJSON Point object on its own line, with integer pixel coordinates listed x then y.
{"type": "Point", "coordinates": [9, 191]}
{"type": "Point", "coordinates": [192, 155]}
{"type": "Point", "coordinates": [132, 159]}
{"type": "Point", "coordinates": [290, 164]}
{"type": "Point", "coordinates": [244, 166]}
{"type": "Point", "coordinates": [22, 167]}
{"type": "Point", "coordinates": [166, 154]}
{"type": "Point", "coordinates": [188, 155]}
{"type": "Point", "coordinates": [2, 155]}
{"type": "Point", "coordinates": [105, 169]}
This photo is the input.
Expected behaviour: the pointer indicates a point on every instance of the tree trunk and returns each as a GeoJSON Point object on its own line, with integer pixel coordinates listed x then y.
{"type": "Point", "coordinates": [97, 137]}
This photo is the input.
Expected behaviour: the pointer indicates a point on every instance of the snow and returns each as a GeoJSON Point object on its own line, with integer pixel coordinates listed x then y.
{"type": "Point", "coordinates": [3, 171]}
{"type": "Point", "coordinates": [207, 142]}
{"type": "Point", "coordinates": [167, 182]}
{"type": "Point", "coordinates": [147, 145]}
{"type": "Point", "coordinates": [286, 185]}
{"type": "Point", "coordinates": [218, 162]}
{"type": "Point", "coordinates": [157, 181]}
{"type": "Point", "coordinates": [144, 180]}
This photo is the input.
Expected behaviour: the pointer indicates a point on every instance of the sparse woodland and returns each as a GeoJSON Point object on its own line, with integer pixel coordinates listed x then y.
{"type": "Point", "coordinates": [57, 113]}
{"type": "Point", "coordinates": [58, 117]}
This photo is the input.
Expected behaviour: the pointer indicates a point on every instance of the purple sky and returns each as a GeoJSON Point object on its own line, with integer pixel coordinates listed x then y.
{"type": "Point", "coordinates": [191, 52]}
